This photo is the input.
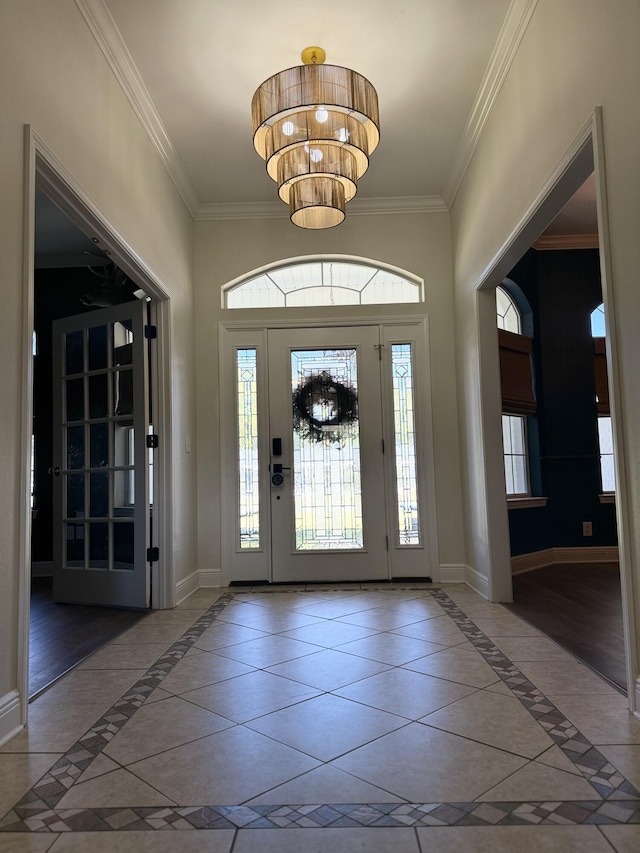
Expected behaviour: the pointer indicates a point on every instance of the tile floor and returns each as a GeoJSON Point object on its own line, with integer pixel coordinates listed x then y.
{"type": "Point", "coordinates": [381, 718]}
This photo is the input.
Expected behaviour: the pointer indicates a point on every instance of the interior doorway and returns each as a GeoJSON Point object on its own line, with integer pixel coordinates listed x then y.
{"type": "Point", "coordinates": [90, 489]}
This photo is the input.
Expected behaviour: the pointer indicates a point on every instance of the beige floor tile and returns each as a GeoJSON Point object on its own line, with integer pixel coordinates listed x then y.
{"type": "Point", "coordinates": [170, 618]}
{"type": "Point", "coordinates": [100, 765]}
{"type": "Point", "coordinates": [390, 648]}
{"type": "Point", "coordinates": [442, 631]}
{"type": "Point", "coordinates": [157, 696]}
{"type": "Point", "coordinates": [507, 839]}
{"type": "Point", "coordinates": [84, 687]}
{"type": "Point", "coordinates": [424, 608]}
{"type": "Point", "coordinates": [201, 599]}
{"type": "Point", "coordinates": [505, 626]}
{"type": "Point", "coordinates": [325, 785]}
{"type": "Point", "coordinates": [226, 634]}
{"type": "Point", "coordinates": [231, 766]}
{"type": "Point", "coordinates": [532, 649]}
{"type": "Point", "coordinates": [26, 842]}
{"type": "Point", "coordinates": [408, 694]}
{"type": "Point", "coordinates": [499, 721]}
{"type": "Point", "coordinates": [367, 840]}
{"type": "Point", "coordinates": [199, 671]}
{"type": "Point", "coordinates": [382, 618]}
{"type": "Point", "coordinates": [113, 790]}
{"type": "Point", "coordinates": [556, 676]}
{"type": "Point", "coordinates": [538, 782]}
{"type": "Point", "coordinates": [330, 633]}
{"type": "Point", "coordinates": [267, 651]}
{"type": "Point", "coordinates": [239, 613]}
{"type": "Point", "coordinates": [18, 773]}
{"type": "Point", "coordinates": [626, 759]}
{"type": "Point", "coordinates": [499, 687]}
{"type": "Point", "coordinates": [483, 610]}
{"type": "Point", "coordinates": [161, 726]}
{"type": "Point", "coordinates": [625, 839]}
{"type": "Point", "coordinates": [280, 620]}
{"type": "Point", "coordinates": [464, 666]}
{"type": "Point", "coordinates": [250, 696]}
{"type": "Point", "coordinates": [120, 656]}
{"type": "Point", "coordinates": [601, 718]}
{"type": "Point", "coordinates": [425, 765]}
{"type": "Point", "coordinates": [555, 757]}
{"type": "Point", "coordinates": [51, 730]}
{"type": "Point", "coordinates": [333, 609]}
{"type": "Point", "coordinates": [328, 669]}
{"type": "Point", "coordinates": [151, 634]}
{"type": "Point", "coordinates": [327, 726]}
{"type": "Point", "coordinates": [185, 841]}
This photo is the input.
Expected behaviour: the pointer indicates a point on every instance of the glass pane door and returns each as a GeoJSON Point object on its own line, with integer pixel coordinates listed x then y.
{"type": "Point", "coordinates": [101, 482]}
{"type": "Point", "coordinates": [327, 492]}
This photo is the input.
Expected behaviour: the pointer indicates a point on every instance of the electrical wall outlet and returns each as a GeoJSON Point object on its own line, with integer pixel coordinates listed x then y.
{"type": "Point", "coordinates": [587, 528]}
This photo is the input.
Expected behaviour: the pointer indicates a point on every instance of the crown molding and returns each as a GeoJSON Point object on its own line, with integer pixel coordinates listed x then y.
{"type": "Point", "coordinates": [108, 36]}
{"type": "Point", "coordinates": [549, 242]}
{"type": "Point", "coordinates": [513, 29]}
{"type": "Point", "coordinates": [357, 207]}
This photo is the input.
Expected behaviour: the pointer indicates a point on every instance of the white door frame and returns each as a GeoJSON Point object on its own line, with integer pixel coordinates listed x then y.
{"type": "Point", "coordinates": [228, 477]}
{"type": "Point", "coordinates": [586, 154]}
{"type": "Point", "coordinates": [43, 170]}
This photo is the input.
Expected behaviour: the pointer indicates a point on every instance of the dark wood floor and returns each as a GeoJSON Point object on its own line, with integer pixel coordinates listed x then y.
{"type": "Point", "coordinates": [61, 635]}
{"type": "Point", "coordinates": [580, 607]}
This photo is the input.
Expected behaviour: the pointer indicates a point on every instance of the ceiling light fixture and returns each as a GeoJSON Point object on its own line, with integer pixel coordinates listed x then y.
{"type": "Point", "coordinates": [315, 125]}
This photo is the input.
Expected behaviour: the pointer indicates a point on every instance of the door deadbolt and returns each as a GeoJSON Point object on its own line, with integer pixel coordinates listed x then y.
{"type": "Point", "coordinates": [54, 471]}
{"type": "Point", "coordinates": [277, 479]}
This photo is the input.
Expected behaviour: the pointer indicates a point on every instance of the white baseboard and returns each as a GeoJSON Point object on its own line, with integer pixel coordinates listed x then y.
{"type": "Point", "coordinates": [452, 573]}
{"type": "Point", "coordinates": [10, 716]}
{"type": "Point", "coordinates": [42, 569]}
{"type": "Point", "coordinates": [203, 579]}
{"type": "Point", "coordinates": [549, 556]}
{"type": "Point", "coordinates": [210, 578]}
{"type": "Point", "coordinates": [479, 583]}
{"type": "Point", "coordinates": [187, 586]}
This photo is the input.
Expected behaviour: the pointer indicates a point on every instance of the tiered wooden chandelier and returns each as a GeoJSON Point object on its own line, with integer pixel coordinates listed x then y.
{"type": "Point", "coordinates": [315, 125]}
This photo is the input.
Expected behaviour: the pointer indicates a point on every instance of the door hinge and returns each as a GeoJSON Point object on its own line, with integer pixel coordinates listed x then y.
{"type": "Point", "coordinates": [379, 347]}
{"type": "Point", "coordinates": [387, 538]}
{"type": "Point", "coordinates": [383, 445]}
{"type": "Point", "coordinates": [152, 441]}
{"type": "Point", "coordinates": [151, 332]}
{"type": "Point", "coordinates": [153, 554]}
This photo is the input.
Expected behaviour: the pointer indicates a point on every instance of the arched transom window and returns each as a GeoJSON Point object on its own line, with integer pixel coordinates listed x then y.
{"type": "Point", "coordinates": [323, 282]}
{"type": "Point", "coordinates": [507, 312]}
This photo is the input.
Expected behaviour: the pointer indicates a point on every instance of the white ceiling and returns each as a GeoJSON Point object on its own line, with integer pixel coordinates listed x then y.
{"type": "Point", "coordinates": [193, 65]}
{"type": "Point", "coordinates": [190, 67]}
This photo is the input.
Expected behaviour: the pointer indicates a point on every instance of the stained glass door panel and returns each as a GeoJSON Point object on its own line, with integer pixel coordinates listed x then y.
{"type": "Point", "coordinates": [327, 506]}
{"type": "Point", "coordinates": [100, 472]}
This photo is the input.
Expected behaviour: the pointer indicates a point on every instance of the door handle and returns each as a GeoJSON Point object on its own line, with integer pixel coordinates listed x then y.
{"type": "Point", "coordinates": [54, 471]}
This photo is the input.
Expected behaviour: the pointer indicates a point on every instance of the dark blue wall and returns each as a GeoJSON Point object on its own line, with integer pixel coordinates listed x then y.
{"type": "Point", "coordinates": [563, 288]}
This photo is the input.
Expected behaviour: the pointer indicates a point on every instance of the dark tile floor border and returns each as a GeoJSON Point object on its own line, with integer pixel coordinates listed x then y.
{"type": "Point", "coordinates": [616, 800]}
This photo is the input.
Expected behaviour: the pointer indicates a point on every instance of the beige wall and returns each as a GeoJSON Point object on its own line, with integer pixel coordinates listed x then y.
{"type": "Point", "coordinates": [417, 243]}
{"type": "Point", "coordinates": [575, 55]}
{"type": "Point", "coordinates": [54, 77]}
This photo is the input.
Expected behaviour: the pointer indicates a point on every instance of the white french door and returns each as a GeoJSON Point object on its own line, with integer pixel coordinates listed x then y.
{"type": "Point", "coordinates": [100, 470]}
{"type": "Point", "coordinates": [325, 444]}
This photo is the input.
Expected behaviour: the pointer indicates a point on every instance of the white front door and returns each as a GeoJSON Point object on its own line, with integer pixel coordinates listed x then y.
{"type": "Point", "coordinates": [325, 422]}
{"type": "Point", "coordinates": [100, 470]}
{"type": "Point", "coordinates": [325, 441]}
